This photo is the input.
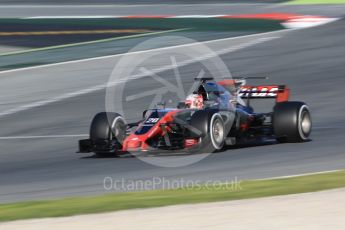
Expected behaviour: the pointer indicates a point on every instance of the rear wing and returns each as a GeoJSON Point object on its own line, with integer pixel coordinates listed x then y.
{"type": "Point", "coordinates": [280, 93]}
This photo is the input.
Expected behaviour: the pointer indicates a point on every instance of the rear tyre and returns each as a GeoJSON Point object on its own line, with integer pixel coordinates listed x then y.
{"type": "Point", "coordinates": [106, 127]}
{"type": "Point", "coordinates": [292, 122]}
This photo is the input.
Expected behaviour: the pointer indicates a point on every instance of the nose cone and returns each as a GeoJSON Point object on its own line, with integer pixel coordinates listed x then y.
{"type": "Point", "coordinates": [133, 144]}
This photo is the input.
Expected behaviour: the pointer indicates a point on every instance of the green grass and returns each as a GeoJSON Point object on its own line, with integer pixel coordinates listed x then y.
{"type": "Point", "coordinates": [317, 2]}
{"type": "Point", "coordinates": [157, 198]}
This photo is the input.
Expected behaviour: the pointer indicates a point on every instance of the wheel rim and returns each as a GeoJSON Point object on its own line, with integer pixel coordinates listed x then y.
{"type": "Point", "coordinates": [119, 130]}
{"type": "Point", "coordinates": [305, 123]}
{"type": "Point", "coordinates": [218, 133]}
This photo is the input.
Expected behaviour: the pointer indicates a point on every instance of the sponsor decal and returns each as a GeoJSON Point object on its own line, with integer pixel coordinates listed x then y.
{"type": "Point", "coordinates": [259, 92]}
{"type": "Point", "coordinates": [152, 120]}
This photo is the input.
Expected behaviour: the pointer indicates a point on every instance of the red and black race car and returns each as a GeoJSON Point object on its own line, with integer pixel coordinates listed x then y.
{"type": "Point", "coordinates": [217, 114]}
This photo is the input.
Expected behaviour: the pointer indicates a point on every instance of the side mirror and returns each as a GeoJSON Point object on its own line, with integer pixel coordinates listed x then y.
{"type": "Point", "coordinates": [144, 113]}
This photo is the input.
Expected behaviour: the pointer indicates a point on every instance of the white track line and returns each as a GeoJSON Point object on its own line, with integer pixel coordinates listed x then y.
{"type": "Point", "coordinates": [298, 175]}
{"type": "Point", "coordinates": [103, 86]}
{"type": "Point", "coordinates": [43, 137]}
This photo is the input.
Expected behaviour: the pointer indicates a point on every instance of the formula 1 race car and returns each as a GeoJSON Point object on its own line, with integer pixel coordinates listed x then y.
{"type": "Point", "coordinates": [215, 115]}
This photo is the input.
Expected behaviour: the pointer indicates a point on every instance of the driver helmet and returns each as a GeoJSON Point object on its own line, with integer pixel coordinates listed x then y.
{"type": "Point", "coordinates": [195, 101]}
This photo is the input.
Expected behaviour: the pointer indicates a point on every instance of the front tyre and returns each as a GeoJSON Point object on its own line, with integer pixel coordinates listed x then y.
{"type": "Point", "coordinates": [106, 127]}
{"type": "Point", "coordinates": [217, 132]}
{"type": "Point", "coordinates": [211, 128]}
{"type": "Point", "coordinates": [292, 122]}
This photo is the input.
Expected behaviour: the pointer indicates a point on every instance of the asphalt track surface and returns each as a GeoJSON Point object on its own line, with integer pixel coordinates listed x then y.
{"type": "Point", "coordinates": [310, 61]}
